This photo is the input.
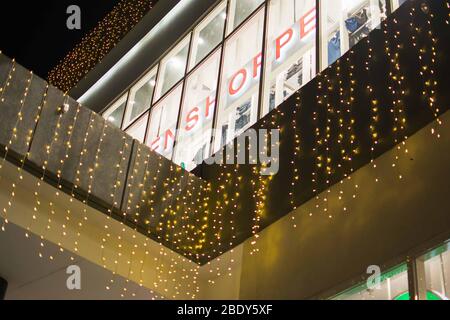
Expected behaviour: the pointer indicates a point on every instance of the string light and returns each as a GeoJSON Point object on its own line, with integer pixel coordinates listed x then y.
{"type": "Point", "coordinates": [7, 82]}
{"type": "Point", "coordinates": [187, 202]}
{"type": "Point", "coordinates": [13, 138]}
{"type": "Point", "coordinates": [48, 151]}
{"type": "Point", "coordinates": [98, 43]}
{"type": "Point", "coordinates": [374, 108]}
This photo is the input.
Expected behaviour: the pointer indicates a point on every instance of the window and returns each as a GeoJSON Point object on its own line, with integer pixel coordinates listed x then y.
{"type": "Point", "coordinates": [345, 23]}
{"type": "Point", "coordinates": [163, 124]}
{"type": "Point", "coordinates": [241, 75]}
{"type": "Point", "coordinates": [140, 97]}
{"type": "Point", "coordinates": [137, 130]}
{"type": "Point", "coordinates": [240, 10]}
{"type": "Point", "coordinates": [437, 273]}
{"type": "Point", "coordinates": [114, 114]}
{"type": "Point", "coordinates": [194, 136]}
{"type": "Point", "coordinates": [173, 68]}
{"type": "Point", "coordinates": [208, 34]}
{"type": "Point", "coordinates": [290, 50]}
{"type": "Point", "coordinates": [393, 286]}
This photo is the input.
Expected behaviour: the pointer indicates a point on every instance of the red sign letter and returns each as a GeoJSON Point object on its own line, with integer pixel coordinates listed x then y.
{"type": "Point", "coordinates": [283, 40]}
{"type": "Point", "coordinates": [257, 64]}
{"type": "Point", "coordinates": [210, 102]}
{"type": "Point", "coordinates": [232, 90]}
{"type": "Point", "coordinates": [155, 144]}
{"type": "Point", "coordinates": [308, 23]}
{"type": "Point", "coordinates": [192, 119]}
{"type": "Point", "coordinates": [169, 134]}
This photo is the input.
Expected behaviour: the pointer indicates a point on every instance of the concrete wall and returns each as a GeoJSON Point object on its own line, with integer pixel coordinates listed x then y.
{"type": "Point", "coordinates": [86, 157]}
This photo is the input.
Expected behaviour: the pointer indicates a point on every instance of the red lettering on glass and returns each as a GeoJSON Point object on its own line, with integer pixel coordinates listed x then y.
{"type": "Point", "coordinates": [155, 144]}
{"type": "Point", "coordinates": [308, 23]}
{"type": "Point", "coordinates": [257, 62]}
{"type": "Point", "coordinates": [283, 40]}
{"type": "Point", "coordinates": [232, 89]}
{"type": "Point", "coordinates": [192, 119]}
{"type": "Point", "coordinates": [167, 135]}
{"type": "Point", "coordinates": [210, 102]}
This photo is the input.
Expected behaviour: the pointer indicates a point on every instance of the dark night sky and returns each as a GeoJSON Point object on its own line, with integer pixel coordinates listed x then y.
{"type": "Point", "coordinates": [35, 32]}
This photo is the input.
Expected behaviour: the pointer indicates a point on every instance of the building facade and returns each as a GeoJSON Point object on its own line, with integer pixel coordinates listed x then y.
{"type": "Point", "coordinates": [357, 90]}
{"type": "Point", "coordinates": [209, 84]}
{"type": "Point", "coordinates": [237, 63]}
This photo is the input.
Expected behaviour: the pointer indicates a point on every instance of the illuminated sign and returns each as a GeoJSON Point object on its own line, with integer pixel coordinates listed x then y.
{"type": "Point", "coordinates": [196, 116]}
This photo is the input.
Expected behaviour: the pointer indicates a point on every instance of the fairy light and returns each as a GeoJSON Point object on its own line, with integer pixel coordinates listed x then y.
{"type": "Point", "coordinates": [132, 179]}
{"type": "Point", "coordinates": [351, 122]}
{"type": "Point", "coordinates": [318, 157]}
{"type": "Point", "coordinates": [374, 108]}
{"type": "Point", "coordinates": [77, 183]}
{"type": "Point", "coordinates": [297, 149]}
{"type": "Point", "coordinates": [114, 203]}
{"type": "Point", "coordinates": [326, 159]}
{"type": "Point", "coordinates": [398, 94]}
{"type": "Point", "coordinates": [48, 150]}
{"type": "Point", "coordinates": [13, 138]}
{"type": "Point", "coordinates": [7, 82]}
{"type": "Point", "coordinates": [341, 123]}
{"type": "Point", "coordinates": [427, 56]}
{"type": "Point", "coordinates": [60, 167]}
{"type": "Point", "coordinates": [183, 203]}
{"type": "Point", "coordinates": [98, 43]}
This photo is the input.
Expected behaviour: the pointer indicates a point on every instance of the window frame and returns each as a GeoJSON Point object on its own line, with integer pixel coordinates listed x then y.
{"type": "Point", "coordinates": [180, 46]}
{"type": "Point", "coordinates": [221, 6]}
{"type": "Point", "coordinates": [123, 99]}
{"type": "Point", "coordinates": [217, 51]}
{"type": "Point", "coordinates": [179, 86]}
{"type": "Point", "coordinates": [145, 116]}
{"type": "Point", "coordinates": [127, 122]}
{"type": "Point", "coordinates": [262, 9]}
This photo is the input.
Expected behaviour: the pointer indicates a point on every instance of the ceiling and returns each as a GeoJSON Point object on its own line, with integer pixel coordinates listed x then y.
{"type": "Point", "coordinates": [33, 278]}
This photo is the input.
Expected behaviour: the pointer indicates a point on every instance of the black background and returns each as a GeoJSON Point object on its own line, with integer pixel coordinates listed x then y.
{"type": "Point", "coordinates": [35, 32]}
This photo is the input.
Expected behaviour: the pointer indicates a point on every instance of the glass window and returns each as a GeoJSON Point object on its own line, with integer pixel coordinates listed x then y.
{"type": "Point", "coordinates": [290, 47]}
{"type": "Point", "coordinates": [140, 97]}
{"type": "Point", "coordinates": [393, 286]}
{"type": "Point", "coordinates": [240, 10]}
{"type": "Point", "coordinates": [114, 114]}
{"type": "Point", "coordinates": [345, 23]}
{"type": "Point", "coordinates": [397, 3]}
{"type": "Point", "coordinates": [238, 108]}
{"type": "Point", "coordinates": [437, 273]}
{"type": "Point", "coordinates": [163, 123]}
{"type": "Point", "coordinates": [137, 130]}
{"type": "Point", "coordinates": [208, 34]}
{"type": "Point", "coordinates": [194, 136]}
{"type": "Point", "coordinates": [173, 68]}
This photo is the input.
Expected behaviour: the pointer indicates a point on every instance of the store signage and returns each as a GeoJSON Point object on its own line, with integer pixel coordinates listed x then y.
{"type": "Point", "coordinates": [163, 144]}
{"type": "Point", "coordinates": [197, 115]}
{"type": "Point", "coordinates": [290, 40]}
{"type": "Point", "coordinates": [293, 38]}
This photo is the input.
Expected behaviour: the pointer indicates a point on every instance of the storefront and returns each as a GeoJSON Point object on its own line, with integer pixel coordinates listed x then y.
{"type": "Point", "coordinates": [236, 65]}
